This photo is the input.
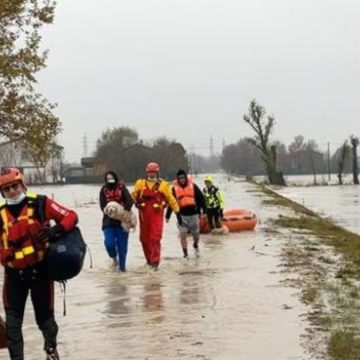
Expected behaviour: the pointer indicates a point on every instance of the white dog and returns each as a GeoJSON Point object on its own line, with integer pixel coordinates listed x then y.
{"type": "Point", "coordinates": [116, 211]}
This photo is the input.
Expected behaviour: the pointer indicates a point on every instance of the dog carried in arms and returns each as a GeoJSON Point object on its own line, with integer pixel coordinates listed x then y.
{"type": "Point", "coordinates": [116, 211]}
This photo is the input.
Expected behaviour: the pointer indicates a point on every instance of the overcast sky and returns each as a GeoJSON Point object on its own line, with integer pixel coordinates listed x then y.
{"type": "Point", "coordinates": [188, 69]}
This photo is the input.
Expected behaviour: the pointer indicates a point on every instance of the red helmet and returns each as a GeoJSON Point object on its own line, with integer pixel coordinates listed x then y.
{"type": "Point", "coordinates": [152, 167]}
{"type": "Point", "coordinates": [11, 175]}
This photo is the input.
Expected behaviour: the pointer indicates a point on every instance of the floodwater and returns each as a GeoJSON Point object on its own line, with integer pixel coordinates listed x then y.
{"type": "Point", "coordinates": [340, 203]}
{"type": "Point", "coordinates": [227, 304]}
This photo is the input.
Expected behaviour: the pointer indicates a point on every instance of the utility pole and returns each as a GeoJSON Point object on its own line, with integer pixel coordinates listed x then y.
{"type": "Point", "coordinates": [329, 161]}
{"type": "Point", "coordinates": [85, 146]}
{"type": "Point", "coordinates": [191, 159]}
{"type": "Point", "coordinates": [211, 146]}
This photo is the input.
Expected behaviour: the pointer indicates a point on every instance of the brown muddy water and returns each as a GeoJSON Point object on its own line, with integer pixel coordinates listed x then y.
{"type": "Point", "coordinates": [228, 304]}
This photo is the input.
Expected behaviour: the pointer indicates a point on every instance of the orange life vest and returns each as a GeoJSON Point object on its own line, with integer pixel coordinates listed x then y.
{"type": "Point", "coordinates": [152, 197]}
{"type": "Point", "coordinates": [19, 247]}
{"type": "Point", "coordinates": [185, 195]}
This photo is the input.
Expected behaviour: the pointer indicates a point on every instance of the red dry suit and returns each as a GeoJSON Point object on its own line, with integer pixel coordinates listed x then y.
{"type": "Point", "coordinates": [151, 198]}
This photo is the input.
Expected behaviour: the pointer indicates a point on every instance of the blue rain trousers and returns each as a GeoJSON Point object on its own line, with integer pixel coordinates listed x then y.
{"type": "Point", "coordinates": [116, 244]}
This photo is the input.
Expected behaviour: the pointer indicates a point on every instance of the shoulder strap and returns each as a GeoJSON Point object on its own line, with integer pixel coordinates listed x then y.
{"type": "Point", "coordinates": [37, 202]}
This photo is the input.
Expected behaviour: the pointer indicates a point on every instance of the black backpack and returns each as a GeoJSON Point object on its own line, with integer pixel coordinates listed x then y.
{"type": "Point", "coordinates": [65, 255]}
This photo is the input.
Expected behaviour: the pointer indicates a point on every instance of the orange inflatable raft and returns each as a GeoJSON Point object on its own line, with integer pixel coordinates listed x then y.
{"type": "Point", "coordinates": [234, 220]}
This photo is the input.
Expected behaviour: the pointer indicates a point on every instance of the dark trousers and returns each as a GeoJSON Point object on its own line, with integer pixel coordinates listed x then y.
{"type": "Point", "coordinates": [17, 286]}
{"type": "Point", "coordinates": [213, 216]}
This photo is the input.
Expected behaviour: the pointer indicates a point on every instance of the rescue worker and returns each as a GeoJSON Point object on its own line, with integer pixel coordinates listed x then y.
{"type": "Point", "coordinates": [151, 196]}
{"type": "Point", "coordinates": [191, 201]}
{"type": "Point", "coordinates": [214, 200]}
{"type": "Point", "coordinates": [116, 238]}
{"type": "Point", "coordinates": [26, 231]}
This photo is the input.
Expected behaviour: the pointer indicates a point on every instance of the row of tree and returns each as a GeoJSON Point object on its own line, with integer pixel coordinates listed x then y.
{"type": "Point", "coordinates": [122, 150]}
{"type": "Point", "coordinates": [260, 154]}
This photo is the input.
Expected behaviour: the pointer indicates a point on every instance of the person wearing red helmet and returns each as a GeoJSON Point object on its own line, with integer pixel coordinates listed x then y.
{"type": "Point", "coordinates": [25, 235]}
{"type": "Point", "coordinates": [151, 196]}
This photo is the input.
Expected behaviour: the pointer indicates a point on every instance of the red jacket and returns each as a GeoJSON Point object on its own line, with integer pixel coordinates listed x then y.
{"type": "Point", "coordinates": [19, 246]}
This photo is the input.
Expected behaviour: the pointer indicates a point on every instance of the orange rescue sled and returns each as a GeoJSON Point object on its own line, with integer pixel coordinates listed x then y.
{"type": "Point", "coordinates": [234, 219]}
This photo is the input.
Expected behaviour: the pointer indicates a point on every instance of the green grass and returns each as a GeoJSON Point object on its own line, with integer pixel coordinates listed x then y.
{"type": "Point", "coordinates": [344, 345]}
{"type": "Point", "coordinates": [340, 287]}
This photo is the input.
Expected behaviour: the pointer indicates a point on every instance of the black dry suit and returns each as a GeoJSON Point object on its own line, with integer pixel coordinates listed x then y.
{"type": "Point", "coordinates": [17, 285]}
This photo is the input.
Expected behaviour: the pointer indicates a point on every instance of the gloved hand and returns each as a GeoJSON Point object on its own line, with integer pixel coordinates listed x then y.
{"type": "Point", "coordinates": [179, 219]}
{"type": "Point", "coordinates": [221, 213]}
{"type": "Point", "coordinates": [50, 233]}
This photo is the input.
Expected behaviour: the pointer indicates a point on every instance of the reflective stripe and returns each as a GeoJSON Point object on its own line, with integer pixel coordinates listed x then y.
{"type": "Point", "coordinates": [30, 214]}
{"type": "Point", "coordinates": [28, 250]}
{"type": "Point", "coordinates": [31, 195]}
{"type": "Point", "coordinates": [5, 221]}
{"type": "Point", "coordinates": [19, 255]}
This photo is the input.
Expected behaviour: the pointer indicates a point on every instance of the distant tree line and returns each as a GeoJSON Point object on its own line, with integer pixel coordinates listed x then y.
{"type": "Point", "coordinates": [301, 157]}
{"type": "Point", "coordinates": [122, 150]}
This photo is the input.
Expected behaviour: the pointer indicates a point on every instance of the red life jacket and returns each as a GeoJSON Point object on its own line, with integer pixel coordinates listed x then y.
{"type": "Point", "coordinates": [115, 194]}
{"type": "Point", "coordinates": [19, 247]}
{"type": "Point", "coordinates": [152, 197]}
{"type": "Point", "coordinates": [185, 195]}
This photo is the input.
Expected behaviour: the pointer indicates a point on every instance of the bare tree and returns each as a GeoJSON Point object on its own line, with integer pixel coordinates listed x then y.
{"type": "Point", "coordinates": [263, 124]}
{"type": "Point", "coordinates": [312, 149]}
{"type": "Point", "coordinates": [355, 143]}
{"type": "Point", "coordinates": [344, 153]}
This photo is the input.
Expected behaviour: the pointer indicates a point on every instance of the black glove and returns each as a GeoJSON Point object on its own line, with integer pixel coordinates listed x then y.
{"type": "Point", "coordinates": [179, 219]}
{"type": "Point", "coordinates": [49, 233]}
{"type": "Point", "coordinates": [221, 213]}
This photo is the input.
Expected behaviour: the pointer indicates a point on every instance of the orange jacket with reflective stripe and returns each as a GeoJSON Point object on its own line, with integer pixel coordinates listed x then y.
{"type": "Point", "coordinates": [19, 248]}
{"type": "Point", "coordinates": [185, 195]}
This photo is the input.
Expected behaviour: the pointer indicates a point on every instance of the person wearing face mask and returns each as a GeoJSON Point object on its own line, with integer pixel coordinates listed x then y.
{"type": "Point", "coordinates": [191, 202]}
{"type": "Point", "coordinates": [151, 196]}
{"type": "Point", "coordinates": [25, 235]}
{"type": "Point", "coordinates": [116, 238]}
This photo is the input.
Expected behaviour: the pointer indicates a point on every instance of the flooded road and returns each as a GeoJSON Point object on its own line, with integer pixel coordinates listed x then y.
{"type": "Point", "coordinates": [340, 203]}
{"type": "Point", "coordinates": [227, 304]}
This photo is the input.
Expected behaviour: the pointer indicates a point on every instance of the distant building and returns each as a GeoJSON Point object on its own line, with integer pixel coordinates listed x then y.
{"type": "Point", "coordinates": [88, 172]}
{"type": "Point", "coordinates": [16, 154]}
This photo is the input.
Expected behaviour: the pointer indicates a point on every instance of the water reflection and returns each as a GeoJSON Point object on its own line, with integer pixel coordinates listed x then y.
{"type": "Point", "coordinates": [189, 293]}
{"type": "Point", "coordinates": [153, 300]}
{"type": "Point", "coordinates": [119, 301]}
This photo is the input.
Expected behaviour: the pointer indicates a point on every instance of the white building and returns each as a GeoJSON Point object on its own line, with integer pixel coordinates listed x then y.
{"type": "Point", "coordinates": [15, 154]}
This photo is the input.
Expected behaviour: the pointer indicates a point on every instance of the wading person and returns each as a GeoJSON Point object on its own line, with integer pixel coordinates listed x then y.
{"type": "Point", "coordinates": [25, 222]}
{"type": "Point", "coordinates": [191, 201]}
{"type": "Point", "coordinates": [214, 200]}
{"type": "Point", "coordinates": [116, 238]}
{"type": "Point", "coordinates": [151, 196]}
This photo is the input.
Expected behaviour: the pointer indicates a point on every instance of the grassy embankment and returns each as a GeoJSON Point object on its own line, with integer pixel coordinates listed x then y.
{"type": "Point", "coordinates": [327, 259]}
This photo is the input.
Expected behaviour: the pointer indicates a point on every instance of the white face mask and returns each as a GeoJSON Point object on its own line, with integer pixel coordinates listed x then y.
{"type": "Point", "coordinates": [152, 177]}
{"type": "Point", "coordinates": [110, 181]}
{"type": "Point", "coordinates": [16, 201]}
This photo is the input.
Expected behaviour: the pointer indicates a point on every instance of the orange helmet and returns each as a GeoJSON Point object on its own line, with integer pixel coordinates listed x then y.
{"type": "Point", "coordinates": [152, 167]}
{"type": "Point", "coordinates": [11, 175]}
